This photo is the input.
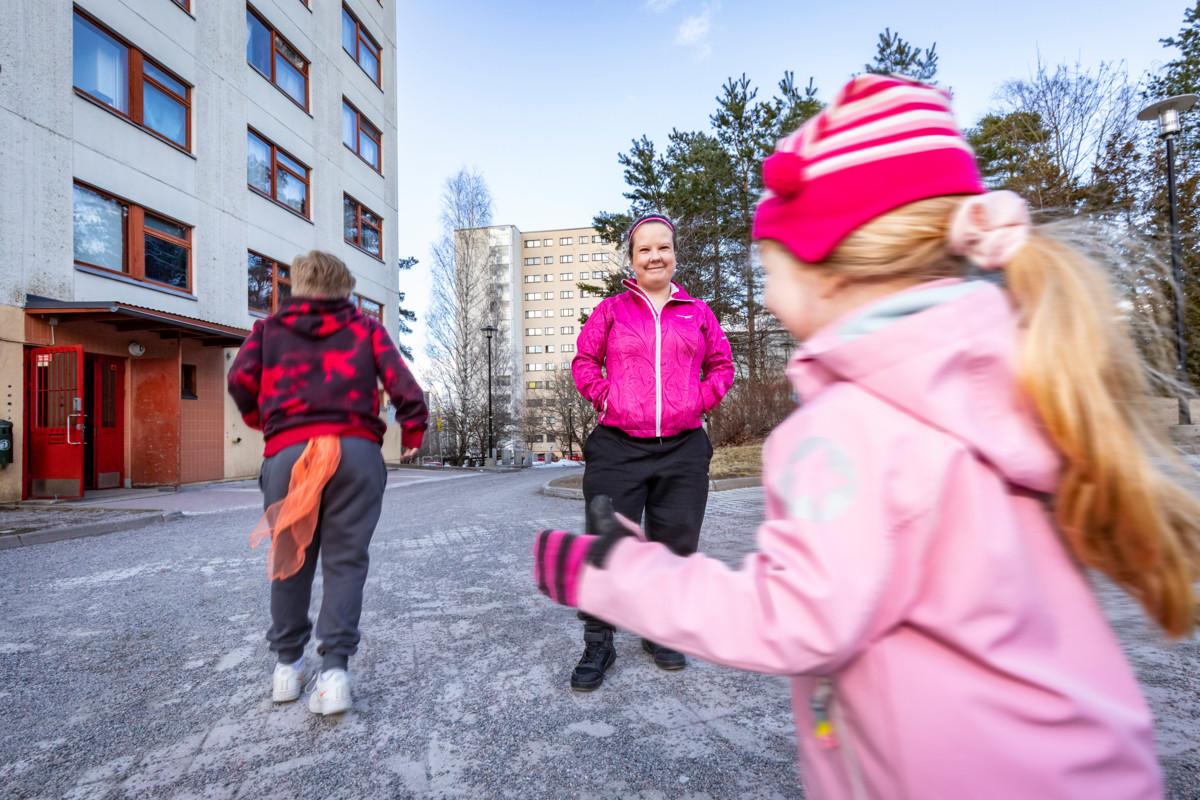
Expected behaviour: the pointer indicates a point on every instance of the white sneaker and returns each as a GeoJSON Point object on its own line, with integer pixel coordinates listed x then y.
{"type": "Point", "coordinates": [332, 693]}
{"type": "Point", "coordinates": [288, 681]}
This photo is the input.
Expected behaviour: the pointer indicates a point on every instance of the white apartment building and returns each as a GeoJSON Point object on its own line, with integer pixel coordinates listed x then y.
{"type": "Point", "coordinates": [162, 162]}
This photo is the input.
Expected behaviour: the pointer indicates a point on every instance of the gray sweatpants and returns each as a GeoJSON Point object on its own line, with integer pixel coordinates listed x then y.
{"type": "Point", "coordinates": [350, 507]}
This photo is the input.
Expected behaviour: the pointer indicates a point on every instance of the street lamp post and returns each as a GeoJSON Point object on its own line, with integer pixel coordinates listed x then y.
{"type": "Point", "coordinates": [489, 331]}
{"type": "Point", "coordinates": [1167, 112]}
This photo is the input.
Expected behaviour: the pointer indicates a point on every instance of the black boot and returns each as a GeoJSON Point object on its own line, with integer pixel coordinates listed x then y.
{"type": "Point", "coordinates": [665, 657]}
{"type": "Point", "coordinates": [598, 655]}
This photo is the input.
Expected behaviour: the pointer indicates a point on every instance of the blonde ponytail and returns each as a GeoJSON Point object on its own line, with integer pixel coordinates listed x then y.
{"type": "Point", "coordinates": [1119, 506]}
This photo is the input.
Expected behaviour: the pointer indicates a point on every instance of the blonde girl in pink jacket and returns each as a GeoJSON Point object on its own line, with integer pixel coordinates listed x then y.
{"type": "Point", "coordinates": [961, 453]}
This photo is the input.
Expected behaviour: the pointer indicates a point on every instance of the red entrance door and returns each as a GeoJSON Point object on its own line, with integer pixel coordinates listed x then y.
{"type": "Point", "coordinates": [56, 422]}
{"type": "Point", "coordinates": [108, 422]}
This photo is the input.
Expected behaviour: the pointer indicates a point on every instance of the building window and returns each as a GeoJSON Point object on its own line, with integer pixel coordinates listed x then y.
{"type": "Point", "coordinates": [567, 312]}
{"type": "Point", "coordinates": [567, 330]}
{"type": "Point", "coordinates": [531, 261]}
{"type": "Point", "coordinates": [533, 278]}
{"type": "Point", "coordinates": [567, 348]}
{"type": "Point", "coordinates": [533, 242]}
{"type": "Point", "coordinates": [566, 295]}
{"type": "Point", "coordinates": [547, 278]}
{"type": "Point", "coordinates": [106, 225]}
{"type": "Point", "coordinates": [362, 227]}
{"type": "Point", "coordinates": [565, 240]}
{"type": "Point", "coordinates": [533, 331]}
{"type": "Point", "coordinates": [187, 382]}
{"type": "Point", "coordinates": [547, 242]}
{"type": "Point", "coordinates": [117, 75]}
{"type": "Point", "coordinates": [567, 276]}
{"type": "Point", "coordinates": [549, 331]}
{"type": "Point", "coordinates": [548, 260]}
{"type": "Point", "coordinates": [596, 240]}
{"type": "Point", "coordinates": [565, 259]}
{"type": "Point", "coordinates": [369, 307]}
{"type": "Point", "coordinates": [598, 276]}
{"type": "Point", "coordinates": [533, 348]}
{"type": "Point", "coordinates": [363, 138]}
{"type": "Point", "coordinates": [276, 59]}
{"type": "Point", "coordinates": [361, 46]}
{"type": "Point", "coordinates": [275, 175]}
{"type": "Point", "coordinates": [583, 293]}
{"type": "Point", "coordinates": [551, 366]}
{"type": "Point", "coordinates": [583, 257]}
{"type": "Point", "coordinates": [599, 256]}
{"type": "Point", "coordinates": [549, 348]}
{"type": "Point", "coordinates": [269, 283]}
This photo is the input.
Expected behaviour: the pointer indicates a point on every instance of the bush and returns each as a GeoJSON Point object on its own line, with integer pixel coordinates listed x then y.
{"type": "Point", "coordinates": [750, 411]}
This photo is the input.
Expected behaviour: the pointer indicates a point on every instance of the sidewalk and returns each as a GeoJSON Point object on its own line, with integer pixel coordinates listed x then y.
{"type": "Point", "coordinates": [112, 510]}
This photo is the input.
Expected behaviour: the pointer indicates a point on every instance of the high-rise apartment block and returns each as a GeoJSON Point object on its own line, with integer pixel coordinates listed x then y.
{"type": "Point", "coordinates": [162, 162]}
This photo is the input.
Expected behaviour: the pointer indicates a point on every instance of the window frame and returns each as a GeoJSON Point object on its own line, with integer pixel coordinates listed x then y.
{"type": "Point", "coordinates": [360, 34]}
{"type": "Point", "coordinates": [360, 207]}
{"type": "Point", "coordinates": [186, 5]}
{"type": "Point", "coordinates": [276, 281]}
{"type": "Point", "coordinates": [306, 178]}
{"type": "Point", "coordinates": [271, 29]}
{"type": "Point", "coordinates": [358, 303]}
{"type": "Point", "coordinates": [133, 242]}
{"type": "Point", "coordinates": [136, 78]}
{"type": "Point", "coordinates": [359, 119]}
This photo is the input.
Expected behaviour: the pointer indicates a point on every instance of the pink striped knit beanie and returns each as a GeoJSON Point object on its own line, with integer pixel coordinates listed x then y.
{"type": "Point", "coordinates": [882, 143]}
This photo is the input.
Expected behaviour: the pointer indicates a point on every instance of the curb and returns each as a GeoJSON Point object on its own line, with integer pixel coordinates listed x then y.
{"type": "Point", "coordinates": [722, 485]}
{"type": "Point", "coordinates": [67, 532]}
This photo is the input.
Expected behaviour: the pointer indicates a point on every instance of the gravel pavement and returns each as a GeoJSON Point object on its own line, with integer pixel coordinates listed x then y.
{"type": "Point", "coordinates": [134, 665]}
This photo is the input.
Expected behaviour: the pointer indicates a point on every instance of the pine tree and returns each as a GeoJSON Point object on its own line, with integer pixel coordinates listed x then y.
{"type": "Point", "coordinates": [895, 56]}
{"type": "Point", "coordinates": [406, 317]}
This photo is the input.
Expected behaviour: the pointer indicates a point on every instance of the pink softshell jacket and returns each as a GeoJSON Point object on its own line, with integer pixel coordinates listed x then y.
{"type": "Point", "coordinates": [641, 368]}
{"type": "Point", "coordinates": [908, 577]}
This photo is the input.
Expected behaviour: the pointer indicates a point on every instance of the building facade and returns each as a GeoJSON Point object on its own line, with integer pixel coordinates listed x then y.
{"type": "Point", "coordinates": [553, 264]}
{"type": "Point", "coordinates": [162, 162]}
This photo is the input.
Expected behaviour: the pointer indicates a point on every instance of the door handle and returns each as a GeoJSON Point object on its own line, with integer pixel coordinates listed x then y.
{"type": "Point", "coordinates": [71, 427]}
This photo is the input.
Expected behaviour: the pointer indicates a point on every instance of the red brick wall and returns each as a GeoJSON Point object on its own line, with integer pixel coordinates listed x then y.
{"type": "Point", "coordinates": [202, 428]}
{"type": "Point", "coordinates": [154, 431]}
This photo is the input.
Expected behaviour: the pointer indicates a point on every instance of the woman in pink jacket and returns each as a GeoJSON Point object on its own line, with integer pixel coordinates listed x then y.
{"type": "Point", "coordinates": [652, 361]}
{"type": "Point", "coordinates": [963, 452]}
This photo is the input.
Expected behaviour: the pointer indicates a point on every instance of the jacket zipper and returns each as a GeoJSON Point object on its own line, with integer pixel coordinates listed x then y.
{"type": "Point", "coordinates": [658, 399]}
{"type": "Point", "coordinates": [832, 732]}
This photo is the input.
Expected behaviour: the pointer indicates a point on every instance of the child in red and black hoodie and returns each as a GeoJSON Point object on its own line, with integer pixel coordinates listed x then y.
{"type": "Point", "coordinates": [307, 377]}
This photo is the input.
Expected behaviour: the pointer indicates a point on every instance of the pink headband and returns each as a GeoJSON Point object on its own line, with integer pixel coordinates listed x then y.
{"type": "Point", "coordinates": [990, 228]}
{"type": "Point", "coordinates": [651, 218]}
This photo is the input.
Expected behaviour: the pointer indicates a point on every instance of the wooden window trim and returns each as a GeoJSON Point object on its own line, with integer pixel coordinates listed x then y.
{"type": "Point", "coordinates": [133, 245]}
{"type": "Point", "coordinates": [359, 119]}
{"type": "Point", "coordinates": [306, 178]}
{"type": "Point", "coordinates": [358, 302]}
{"type": "Point", "coordinates": [361, 36]}
{"type": "Point", "coordinates": [276, 282]}
{"type": "Point", "coordinates": [136, 76]}
{"type": "Point", "coordinates": [271, 78]}
{"type": "Point", "coordinates": [356, 243]}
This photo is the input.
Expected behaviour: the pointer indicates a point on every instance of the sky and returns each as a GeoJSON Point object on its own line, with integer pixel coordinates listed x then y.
{"type": "Point", "coordinates": [540, 97]}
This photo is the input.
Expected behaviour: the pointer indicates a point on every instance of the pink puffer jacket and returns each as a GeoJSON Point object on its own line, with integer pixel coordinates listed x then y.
{"type": "Point", "coordinates": [642, 368]}
{"type": "Point", "coordinates": [941, 641]}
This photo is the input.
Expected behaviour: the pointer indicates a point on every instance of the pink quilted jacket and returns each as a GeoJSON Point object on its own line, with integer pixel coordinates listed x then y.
{"type": "Point", "coordinates": [642, 368]}
{"type": "Point", "coordinates": [940, 640]}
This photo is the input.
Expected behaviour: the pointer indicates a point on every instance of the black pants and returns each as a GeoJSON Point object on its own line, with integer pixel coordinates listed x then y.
{"type": "Point", "coordinates": [665, 478]}
{"type": "Point", "coordinates": [350, 507]}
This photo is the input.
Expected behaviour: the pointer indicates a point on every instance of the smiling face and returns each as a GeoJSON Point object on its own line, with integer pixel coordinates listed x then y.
{"type": "Point", "coordinates": [653, 256]}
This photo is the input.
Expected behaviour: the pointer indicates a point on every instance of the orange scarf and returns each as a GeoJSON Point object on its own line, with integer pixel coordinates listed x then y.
{"type": "Point", "coordinates": [291, 522]}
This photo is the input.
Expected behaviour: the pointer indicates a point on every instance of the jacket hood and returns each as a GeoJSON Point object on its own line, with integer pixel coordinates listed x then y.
{"type": "Point", "coordinates": [943, 352]}
{"type": "Point", "coordinates": [316, 318]}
